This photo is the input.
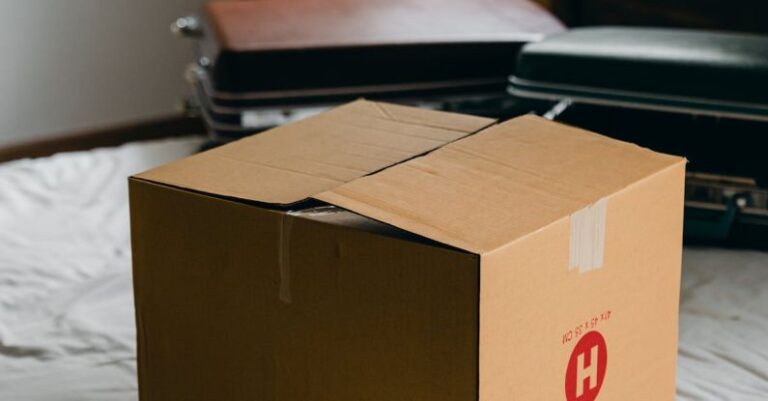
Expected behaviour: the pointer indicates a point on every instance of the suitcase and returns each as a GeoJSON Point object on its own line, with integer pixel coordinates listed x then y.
{"type": "Point", "coordinates": [258, 60]}
{"type": "Point", "coordinates": [693, 93]}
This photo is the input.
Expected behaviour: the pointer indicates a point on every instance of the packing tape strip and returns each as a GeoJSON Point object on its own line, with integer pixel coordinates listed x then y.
{"type": "Point", "coordinates": [284, 259]}
{"type": "Point", "coordinates": [587, 237]}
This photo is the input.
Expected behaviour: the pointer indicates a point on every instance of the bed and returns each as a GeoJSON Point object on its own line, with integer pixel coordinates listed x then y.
{"type": "Point", "coordinates": [66, 308]}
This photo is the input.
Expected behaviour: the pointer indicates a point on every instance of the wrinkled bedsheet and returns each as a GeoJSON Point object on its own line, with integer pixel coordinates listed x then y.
{"type": "Point", "coordinates": [66, 303]}
{"type": "Point", "coordinates": [66, 308]}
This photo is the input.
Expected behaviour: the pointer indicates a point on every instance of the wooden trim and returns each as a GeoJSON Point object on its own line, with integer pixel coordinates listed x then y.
{"type": "Point", "coordinates": [163, 127]}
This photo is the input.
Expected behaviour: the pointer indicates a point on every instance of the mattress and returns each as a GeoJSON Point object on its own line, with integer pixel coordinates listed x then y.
{"type": "Point", "coordinates": [66, 306]}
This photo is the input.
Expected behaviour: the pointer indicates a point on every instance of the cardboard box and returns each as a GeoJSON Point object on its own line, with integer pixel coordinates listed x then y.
{"type": "Point", "coordinates": [463, 260]}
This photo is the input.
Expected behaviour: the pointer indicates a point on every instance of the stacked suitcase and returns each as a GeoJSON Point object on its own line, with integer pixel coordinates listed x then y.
{"type": "Point", "coordinates": [692, 93]}
{"type": "Point", "coordinates": [261, 64]}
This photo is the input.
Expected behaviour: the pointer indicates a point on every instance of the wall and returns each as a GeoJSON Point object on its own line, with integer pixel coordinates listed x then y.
{"type": "Point", "coordinates": [71, 65]}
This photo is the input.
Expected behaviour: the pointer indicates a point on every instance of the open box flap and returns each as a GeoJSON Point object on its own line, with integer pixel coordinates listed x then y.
{"type": "Point", "coordinates": [487, 190]}
{"type": "Point", "coordinates": [293, 162]}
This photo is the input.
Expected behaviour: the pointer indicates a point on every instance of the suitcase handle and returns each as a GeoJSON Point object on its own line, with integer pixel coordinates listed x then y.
{"type": "Point", "coordinates": [717, 230]}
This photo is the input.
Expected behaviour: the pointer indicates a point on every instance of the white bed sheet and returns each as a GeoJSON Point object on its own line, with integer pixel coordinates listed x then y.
{"type": "Point", "coordinates": [66, 306]}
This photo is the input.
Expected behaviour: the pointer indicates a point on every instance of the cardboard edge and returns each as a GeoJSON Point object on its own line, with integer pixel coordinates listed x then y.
{"type": "Point", "coordinates": [307, 206]}
{"type": "Point", "coordinates": [417, 237]}
{"type": "Point", "coordinates": [276, 207]}
{"type": "Point", "coordinates": [384, 110]}
{"type": "Point", "coordinates": [680, 162]}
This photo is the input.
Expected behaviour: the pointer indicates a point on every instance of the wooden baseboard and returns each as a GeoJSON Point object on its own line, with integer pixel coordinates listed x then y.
{"type": "Point", "coordinates": [164, 127]}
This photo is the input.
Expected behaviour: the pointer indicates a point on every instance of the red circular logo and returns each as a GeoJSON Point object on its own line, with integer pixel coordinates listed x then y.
{"type": "Point", "coordinates": [586, 368]}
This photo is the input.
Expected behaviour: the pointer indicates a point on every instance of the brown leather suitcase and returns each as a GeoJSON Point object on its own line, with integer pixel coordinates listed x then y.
{"type": "Point", "coordinates": [280, 48]}
{"type": "Point", "coordinates": [268, 61]}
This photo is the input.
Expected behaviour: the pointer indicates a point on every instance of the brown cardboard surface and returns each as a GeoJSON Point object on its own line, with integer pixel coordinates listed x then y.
{"type": "Point", "coordinates": [450, 276]}
{"type": "Point", "coordinates": [367, 315]}
{"type": "Point", "coordinates": [293, 162]}
{"type": "Point", "coordinates": [529, 300]}
{"type": "Point", "coordinates": [193, 257]}
{"type": "Point", "coordinates": [486, 190]}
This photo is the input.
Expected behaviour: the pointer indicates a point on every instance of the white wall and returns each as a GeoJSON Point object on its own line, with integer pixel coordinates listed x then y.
{"type": "Point", "coordinates": [75, 64]}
